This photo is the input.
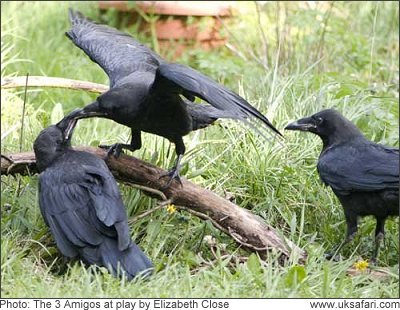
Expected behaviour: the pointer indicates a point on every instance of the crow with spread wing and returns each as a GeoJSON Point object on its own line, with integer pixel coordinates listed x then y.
{"type": "Point", "coordinates": [146, 91]}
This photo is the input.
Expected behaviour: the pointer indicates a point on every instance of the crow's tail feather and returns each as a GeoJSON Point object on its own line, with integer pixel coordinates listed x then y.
{"type": "Point", "coordinates": [204, 115]}
{"type": "Point", "coordinates": [130, 262]}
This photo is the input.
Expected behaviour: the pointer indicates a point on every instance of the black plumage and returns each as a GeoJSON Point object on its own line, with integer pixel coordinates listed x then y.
{"type": "Point", "coordinates": [146, 92]}
{"type": "Point", "coordinates": [364, 175]}
{"type": "Point", "coordinates": [80, 202]}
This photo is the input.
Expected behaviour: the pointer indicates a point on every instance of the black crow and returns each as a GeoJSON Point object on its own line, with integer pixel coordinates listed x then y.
{"type": "Point", "coordinates": [80, 202]}
{"type": "Point", "coordinates": [362, 174]}
{"type": "Point", "coordinates": [146, 91]}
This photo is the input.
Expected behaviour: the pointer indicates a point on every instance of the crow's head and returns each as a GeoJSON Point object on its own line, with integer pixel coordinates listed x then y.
{"type": "Point", "coordinates": [329, 124]}
{"type": "Point", "coordinates": [52, 142]}
{"type": "Point", "coordinates": [119, 104]}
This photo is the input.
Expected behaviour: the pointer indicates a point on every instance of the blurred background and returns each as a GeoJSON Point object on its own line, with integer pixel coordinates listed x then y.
{"type": "Point", "coordinates": [290, 60]}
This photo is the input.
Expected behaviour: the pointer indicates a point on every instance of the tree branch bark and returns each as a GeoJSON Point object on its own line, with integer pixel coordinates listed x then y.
{"type": "Point", "coordinates": [247, 229]}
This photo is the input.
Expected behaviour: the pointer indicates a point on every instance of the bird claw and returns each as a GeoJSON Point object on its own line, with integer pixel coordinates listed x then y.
{"type": "Point", "coordinates": [173, 174]}
{"type": "Point", "coordinates": [115, 149]}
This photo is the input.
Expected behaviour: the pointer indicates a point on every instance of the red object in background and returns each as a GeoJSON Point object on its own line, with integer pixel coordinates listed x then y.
{"type": "Point", "coordinates": [173, 30]}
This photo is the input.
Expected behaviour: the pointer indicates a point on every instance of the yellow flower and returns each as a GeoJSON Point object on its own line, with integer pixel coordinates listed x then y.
{"type": "Point", "coordinates": [171, 209]}
{"type": "Point", "coordinates": [361, 265]}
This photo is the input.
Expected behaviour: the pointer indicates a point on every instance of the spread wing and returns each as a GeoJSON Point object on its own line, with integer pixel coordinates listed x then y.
{"type": "Point", "coordinates": [82, 207]}
{"type": "Point", "coordinates": [116, 52]}
{"type": "Point", "coordinates": [189, 82]}
{"type": "Point", "coordinates": [367, 167]}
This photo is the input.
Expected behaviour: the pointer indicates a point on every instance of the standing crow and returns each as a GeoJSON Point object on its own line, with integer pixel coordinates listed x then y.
{"type": "Point", "coordinates": [146, 91]}
{"type": "Point", "coordinates": [80, 202]}
{"type": "Point", "coordinates": [362, 174]}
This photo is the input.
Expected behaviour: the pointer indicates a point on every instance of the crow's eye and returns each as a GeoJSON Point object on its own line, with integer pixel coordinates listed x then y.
{"type": "Point", "coordinates": [318, 120]}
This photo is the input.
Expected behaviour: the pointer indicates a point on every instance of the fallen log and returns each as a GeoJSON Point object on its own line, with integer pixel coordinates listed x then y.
{"type": "Point", "coordinates": [247, 229]}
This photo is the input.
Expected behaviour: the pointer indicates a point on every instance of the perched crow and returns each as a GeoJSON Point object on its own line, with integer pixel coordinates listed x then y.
{"type": "Point", "coordinates": [146, 92]}
{"type": "Point", "coordinates": [362, 174]}
{"type": "Point", "coordinates": [80, 202]}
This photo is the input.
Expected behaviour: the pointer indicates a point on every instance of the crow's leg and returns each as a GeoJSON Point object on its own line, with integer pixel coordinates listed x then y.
{"type": "Point", "coordinates": [174, 172]}
{"type": "Point", "coordinates": [351, 221]}
{"type": "Point", "coordinates": [379, 235]}
{"type": "Point", "coordinates": [116, 149]}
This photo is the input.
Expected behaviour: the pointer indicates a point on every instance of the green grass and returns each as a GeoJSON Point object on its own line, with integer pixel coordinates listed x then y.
{"type": "Point", "coordinates": [352, 66]}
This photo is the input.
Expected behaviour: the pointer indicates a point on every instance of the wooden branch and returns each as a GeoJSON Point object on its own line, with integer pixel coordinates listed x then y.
{"type": "Point", "coordinates": [44, 81]}
{"type": "Point", "coordinates": [381, 273]}
{"type": "Point", "coordinates": [244, 227]}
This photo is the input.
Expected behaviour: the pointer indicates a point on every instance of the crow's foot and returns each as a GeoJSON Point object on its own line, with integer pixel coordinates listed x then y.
{"type": "Point", "coordinates": [173, 174]}
{"type": "Point", "coordinates": [115, 149]}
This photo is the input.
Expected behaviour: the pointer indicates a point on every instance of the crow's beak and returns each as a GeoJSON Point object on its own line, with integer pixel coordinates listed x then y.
{"type": "Point", "coordinates": [90, 110]}
{"type": "Point", "coordinates": [304, 124]}
{"type": "Point", "coordinates": [67, 125]}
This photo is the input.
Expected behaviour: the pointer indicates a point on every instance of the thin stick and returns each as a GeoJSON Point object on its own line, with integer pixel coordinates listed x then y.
{"type": "Point", "coordinates": [23, 113]}
{"type": "Point", "coordinates": [22, 130]}
{"type": "Point", "coordinates": [236, 237]}
{"type": "Point", "coordinates": [150, 190]}
{"type": "Point", "coordinates": [204, 217]}
{"type": "Point", "coordinates": [44, 81]}
{"type": "Point", "coordinates": [144, 214]}
{"type": "Point", "coordinates": [228, 231]}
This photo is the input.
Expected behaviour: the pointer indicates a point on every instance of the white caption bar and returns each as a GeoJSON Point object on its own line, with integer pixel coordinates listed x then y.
{"type": "Point", "coordinates": [219, 304]}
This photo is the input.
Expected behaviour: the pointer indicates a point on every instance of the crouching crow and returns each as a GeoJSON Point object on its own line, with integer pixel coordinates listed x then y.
{"type": "Point", "coordinates": [80, 202]}
{"type": "Point", "coordinates": [146, 92]}
{"type": "Point", "coordinates": [362, 174]}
